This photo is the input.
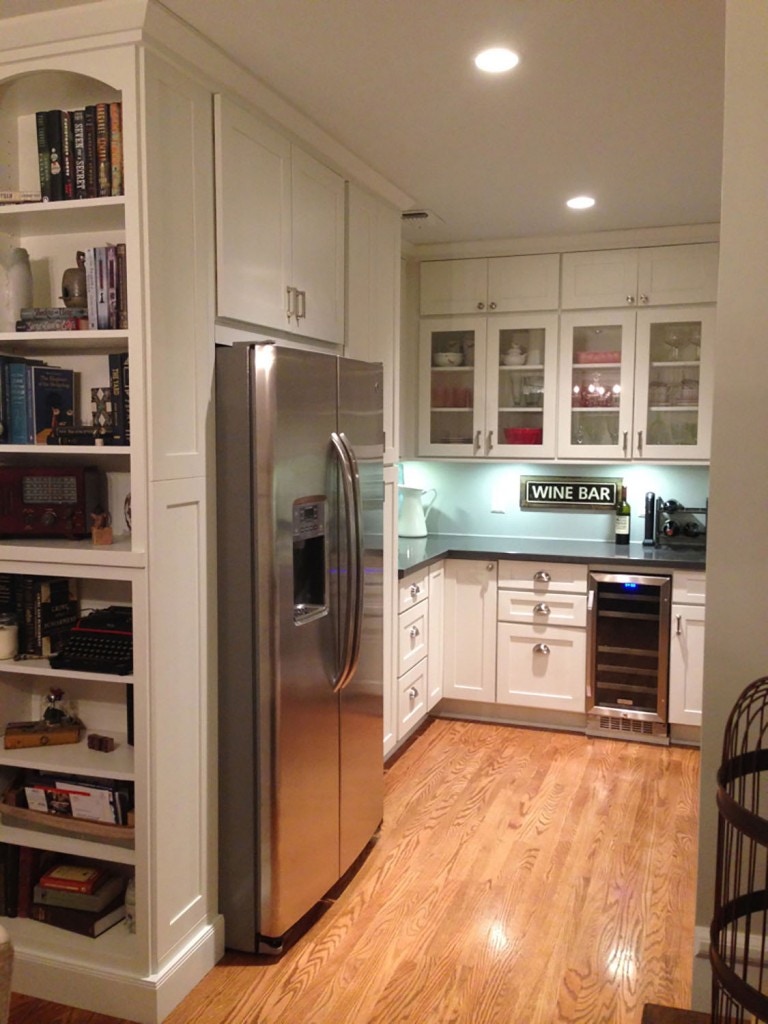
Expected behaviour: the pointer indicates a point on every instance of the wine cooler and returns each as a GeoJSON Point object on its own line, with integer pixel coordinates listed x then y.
{"type": "Point", "coordinates": [628, 622]}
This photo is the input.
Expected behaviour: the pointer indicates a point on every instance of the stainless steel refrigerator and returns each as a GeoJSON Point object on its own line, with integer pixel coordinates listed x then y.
{"type": "Point", "coordinates": [300, 519]}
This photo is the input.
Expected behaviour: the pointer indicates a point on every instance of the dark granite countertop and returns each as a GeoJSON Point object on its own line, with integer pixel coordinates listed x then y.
{"type": "Point", "coordinates": [417, 553]}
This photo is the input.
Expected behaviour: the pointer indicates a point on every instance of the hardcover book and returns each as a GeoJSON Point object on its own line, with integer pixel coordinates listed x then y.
{"type": "Point", "coordinates": [110, 887]}
{"type": "Point", "coordinates": [55, 144]}
{"type": "Point", "coordinates": [103, 165]}
{"type": "Point", "coordinates": [84, 922]}
{"type": "Point", "coordinates": [43, 154]}
{"type": "Point", "coordinates": [73, 877]}
{"type": "Point", "coordinates": [53, 400]}
{"type": "Point", "coordinates": [47, 611]}
{"type": "Point", "coordinates": [67, 155]}
{"type": "Point", "coordinates": [91, 170]}
{"type": "Point", "coordinates": [116, 147]}
{"type": "Point", "coordinates": [78, 147]}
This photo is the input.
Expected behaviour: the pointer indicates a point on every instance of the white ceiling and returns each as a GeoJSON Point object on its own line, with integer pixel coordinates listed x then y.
{"type": "Point", "coordinates": [622, 99]}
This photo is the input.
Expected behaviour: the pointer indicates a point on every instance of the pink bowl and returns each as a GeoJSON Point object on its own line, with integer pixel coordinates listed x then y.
{"type": "Point", "coordinates": [523, 435]}
{"type": "Point", "coordinates": [597, 357]}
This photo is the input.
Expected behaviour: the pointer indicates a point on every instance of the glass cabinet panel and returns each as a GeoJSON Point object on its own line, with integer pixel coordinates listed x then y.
{"type": "Point", "coordinates": [596, 384]}
{"type": "Point", "coordinates": [522, 381]}
{"type": "Point", "coordinates": [452, 391]}
{"type": "Point", "coordinates": [673, 383]}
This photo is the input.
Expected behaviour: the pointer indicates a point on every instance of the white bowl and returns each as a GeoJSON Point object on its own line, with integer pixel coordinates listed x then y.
{"type": "Point", "coordinates": [448, 358]}
{"type": "Point", "coordinates": [514, 358]}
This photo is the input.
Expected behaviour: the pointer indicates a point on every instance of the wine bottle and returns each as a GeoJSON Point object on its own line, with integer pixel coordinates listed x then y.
{"type": "Point", "coordinates": [623, 514]}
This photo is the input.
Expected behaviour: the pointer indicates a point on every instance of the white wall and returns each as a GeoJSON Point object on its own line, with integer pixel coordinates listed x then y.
{"type": "Point", "coordinates": [737, 551]}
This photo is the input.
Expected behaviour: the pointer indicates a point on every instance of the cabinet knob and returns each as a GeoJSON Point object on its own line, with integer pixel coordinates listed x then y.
{"type": "Point", "coordinates": [541, 609]}
{"type": "Point", "coordinates": [415, 589]}
{"type": "Point", "coordinates": [490, 567]}
{"type": "Point", "coordinates": [413, 632]}
{"type": "Point", "coordinates": [630, 300]}
{"type": "Point", "coordinates": [481, 305]}
{"type": "Point", "coordinates": [540, 649]}
{"type": "Point", "coordinates": [542, 576]}
{"type": "Point", "coordinates": [413, 693]}
{"type": "Point", "coordinates": [492, 305]}
{"type": "Point", "coordinates": [644, 299]}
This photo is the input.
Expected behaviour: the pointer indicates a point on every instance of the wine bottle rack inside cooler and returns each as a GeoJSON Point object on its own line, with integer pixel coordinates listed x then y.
{"type": "Point", "coordinates": [628, 624]}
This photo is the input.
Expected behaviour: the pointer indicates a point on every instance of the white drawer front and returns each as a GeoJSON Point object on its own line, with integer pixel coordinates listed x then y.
{"type": "Point", "coordinates": [413, 588]}
{"type": "Point", "coordinates": [543, 577]}
{"type": "Point", "coordinates": [689, 587]}
{"type": "Point", "coordinates": [413, 640]}
{"type": "Point", "coordinates": [413, 690]}
{"type": "Point", "coordinates": [541, 667]}
{"type": "Point", "coordinates": [553, 610]}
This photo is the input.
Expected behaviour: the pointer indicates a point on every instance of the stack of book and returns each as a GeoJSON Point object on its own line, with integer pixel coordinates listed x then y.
{"type": "Point", "coordinates": [46, 608]}
{"type": "Point", "coordinates": [35, 400]}
{"type": "Point", "coordinates": [83, 898]}
{"type": "Point", "coordinates": [80, 152]}
{"type": "Point", "coordinates": [52, 318]}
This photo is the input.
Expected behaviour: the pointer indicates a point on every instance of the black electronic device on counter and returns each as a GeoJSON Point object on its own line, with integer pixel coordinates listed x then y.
{"type": "Point", "coordinates": [48, 501]}
{"type": "Point", "coordinates": [100, 642]}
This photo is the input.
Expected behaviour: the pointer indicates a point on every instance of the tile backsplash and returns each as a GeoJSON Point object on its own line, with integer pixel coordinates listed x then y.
{"type": "Point", "coordinates": [483, 499]}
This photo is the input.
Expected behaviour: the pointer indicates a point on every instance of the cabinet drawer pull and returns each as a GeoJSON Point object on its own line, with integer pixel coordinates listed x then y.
{"type": "Point", "coordinates": [542, 576]}
{"type": "Point", "coordinates": [413, 693]}
{"type": "Point", "coordinates": [413, 632]}
{"type": "Point", "coordinates": [541, 609]}
{"type": "Point", "coordinates": [678, 625]}
{"type": "Point", "coordinates": [540, 649]}
{"type": "Point", "coordinates": [639, 442]}
{"type": "Point", "coordinates": [415, 589]}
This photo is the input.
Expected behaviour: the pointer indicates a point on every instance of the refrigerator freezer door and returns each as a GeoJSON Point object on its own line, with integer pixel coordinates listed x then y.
{"type": "Point", "coordinates": [360, 420]}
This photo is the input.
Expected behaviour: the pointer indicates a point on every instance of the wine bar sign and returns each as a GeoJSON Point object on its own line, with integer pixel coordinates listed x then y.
{"type": "Point", "coordinates": [580, 494]}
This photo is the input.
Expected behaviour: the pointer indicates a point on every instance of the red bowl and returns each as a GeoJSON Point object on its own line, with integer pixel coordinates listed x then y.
{"type": "Point", "coordinates": [523, 435]}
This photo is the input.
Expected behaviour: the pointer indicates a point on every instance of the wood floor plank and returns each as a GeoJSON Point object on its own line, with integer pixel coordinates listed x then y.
{"type": "Point", "coordinates": [521, 876]}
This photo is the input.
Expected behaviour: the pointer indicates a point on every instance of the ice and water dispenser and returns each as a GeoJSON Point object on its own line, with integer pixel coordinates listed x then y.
{"type": "Point", "coordinates": [310, 596]}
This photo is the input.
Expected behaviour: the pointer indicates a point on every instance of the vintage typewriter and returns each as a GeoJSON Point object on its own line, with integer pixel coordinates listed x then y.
{"type": "Point", "coordinates": [100, 642]}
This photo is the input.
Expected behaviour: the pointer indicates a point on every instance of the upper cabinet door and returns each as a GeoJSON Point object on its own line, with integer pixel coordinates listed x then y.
{"type": "Point", "coordinates": [253, 218]}
{"type": "Point", "coordinates": [317, 252]}
{"type": "Point", "coordinates": [454, 286]}
{"type": "Point", "coordinates": [592, 280]}
{"type": "Point", "coordinates": [660, 275]}
{"type": "Point", "coordinates": [673, 274]}
{"type": "Point", "coordinates": [523, 283]}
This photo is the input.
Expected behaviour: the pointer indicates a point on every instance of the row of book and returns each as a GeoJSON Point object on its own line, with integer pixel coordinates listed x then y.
{"type": "Point", "coordinates": [106, 801]}
{"type": "Point", "coordinates": [85, 898]}
{"type": "Point", "coordinates": [38, 403]}
{"type": "Point", "coordinates": [45, 608]}
{"type": "Point", "coordinates": [80, 152]}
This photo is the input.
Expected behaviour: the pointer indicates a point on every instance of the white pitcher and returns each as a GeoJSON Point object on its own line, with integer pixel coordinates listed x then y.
{"type": "Point", "coordinates": [412, 517]}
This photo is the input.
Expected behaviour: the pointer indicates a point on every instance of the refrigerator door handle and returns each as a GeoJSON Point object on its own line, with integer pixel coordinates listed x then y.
{"type": "Point", "coordinates": [350, 644]}
{"type": "Point", "coordinates": [356, 568]}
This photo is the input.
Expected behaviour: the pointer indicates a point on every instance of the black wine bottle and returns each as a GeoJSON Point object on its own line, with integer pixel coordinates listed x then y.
{"type": "Point", "coordinates": [623, 515]}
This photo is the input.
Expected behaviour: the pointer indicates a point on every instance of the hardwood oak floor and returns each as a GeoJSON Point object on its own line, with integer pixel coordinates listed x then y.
{"type": "Point", "coordinates": [521, 877]}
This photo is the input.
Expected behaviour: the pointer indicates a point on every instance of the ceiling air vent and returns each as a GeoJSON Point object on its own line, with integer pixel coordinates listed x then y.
{"type": "Point", "coordinates": [413, 215]}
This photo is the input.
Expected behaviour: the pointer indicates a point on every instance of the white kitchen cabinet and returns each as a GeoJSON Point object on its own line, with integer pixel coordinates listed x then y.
{"type": "Point", "coordinates": [470, 630]}
{"type": "Point", "coordinates": [373, 296]}
{"type": "Point", "coordinates": [436, 632]}
{"type": "Point", "coordinates": [658, 275]}
{"type": "Point", "coordinates": [541, 645]}
{"type": "Point", "coordinates": [500, 284]}
{"type": "Point", "coordinates": [280, 230]}
{"type": "Point", "coordinates": [413, 631]}
{"type": "Point", "coordinates": [162, 560]}
{"type": "Point", "coordinates": [499, 400]}
{"type": "Point", "coordinates": [686, 648]}
{"type": "Point", "coordinates": [637, 385]}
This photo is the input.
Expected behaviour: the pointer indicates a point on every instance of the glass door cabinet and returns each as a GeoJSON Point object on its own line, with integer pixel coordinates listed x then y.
{"type": "Point", "coordinates": [488, 386]}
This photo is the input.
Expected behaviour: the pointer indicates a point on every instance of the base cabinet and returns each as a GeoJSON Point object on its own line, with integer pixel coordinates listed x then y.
{"type": "Point", "coordinates": [413, 645]}
{"type": "Point", "coordinates": [470, 630]}
{"type": "Point", "coordinates": [541, 666]}
{"type": "Point", "coordinates": [436, 632]}
{"type": "Point", "coordinates": [686, 648]}
{"type": "Point", "coordinates": [541, 654]}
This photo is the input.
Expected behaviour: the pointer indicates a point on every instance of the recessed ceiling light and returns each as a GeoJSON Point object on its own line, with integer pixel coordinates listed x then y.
{"type": "Point", "coordinates": [497, 59]}
{"type": "Point", "coordinates": [580, 202]}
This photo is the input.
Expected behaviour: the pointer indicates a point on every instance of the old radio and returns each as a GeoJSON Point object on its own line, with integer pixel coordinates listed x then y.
{"type": "Point", "coordinates": [48, 501]}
